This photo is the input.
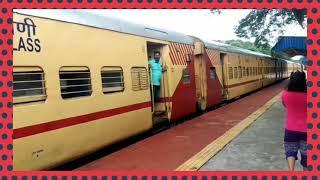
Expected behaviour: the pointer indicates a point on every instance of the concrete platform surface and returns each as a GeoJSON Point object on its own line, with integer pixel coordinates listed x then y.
{"type": "Point", "coordinates": [259, 147]}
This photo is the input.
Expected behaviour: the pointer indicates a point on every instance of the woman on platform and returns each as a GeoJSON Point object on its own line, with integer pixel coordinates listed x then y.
{"type": "Point", "coordinates": [294, 99]}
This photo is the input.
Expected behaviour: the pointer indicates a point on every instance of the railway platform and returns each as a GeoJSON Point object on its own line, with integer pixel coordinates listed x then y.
{"type": "Point", "coordinates": [259, 147]}
{"type": "Point", "coordinates": [244, 135]}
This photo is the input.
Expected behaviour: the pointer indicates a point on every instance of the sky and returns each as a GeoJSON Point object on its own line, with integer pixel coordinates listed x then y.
{"type": "Point", "coordinates": [200, 23]}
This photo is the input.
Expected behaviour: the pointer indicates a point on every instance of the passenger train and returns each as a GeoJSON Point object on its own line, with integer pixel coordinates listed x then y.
{"type": "Point", "coordinates": [82, 82]}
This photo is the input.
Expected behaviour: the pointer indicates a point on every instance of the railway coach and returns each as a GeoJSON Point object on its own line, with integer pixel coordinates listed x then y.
{"type": "Point", "coordinates": [85, 84]}
{"type": "Point", "coordinates": [81, 82]}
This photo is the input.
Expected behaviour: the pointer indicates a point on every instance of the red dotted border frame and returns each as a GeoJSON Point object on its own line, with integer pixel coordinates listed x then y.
{"type": "Point", "coordinates": [6, 66]}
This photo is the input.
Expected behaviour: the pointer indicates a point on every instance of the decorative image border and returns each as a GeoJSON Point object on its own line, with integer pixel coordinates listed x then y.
{"type": "Point", "coordinates": [6, 83]}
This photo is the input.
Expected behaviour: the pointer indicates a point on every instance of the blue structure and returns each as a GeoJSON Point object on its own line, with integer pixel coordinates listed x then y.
{"type": "Point", "coordinates": [291, 46]}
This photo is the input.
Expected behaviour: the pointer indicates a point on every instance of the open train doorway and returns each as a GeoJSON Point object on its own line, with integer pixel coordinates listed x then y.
{"type": "Point", "coordinates": [158, 85]}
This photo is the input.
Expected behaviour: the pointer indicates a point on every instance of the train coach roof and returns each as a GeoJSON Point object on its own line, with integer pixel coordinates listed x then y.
{"type": "Point", "coordinates": [90, 19]}
{"type": "Point", "coordinates": [233, 49]}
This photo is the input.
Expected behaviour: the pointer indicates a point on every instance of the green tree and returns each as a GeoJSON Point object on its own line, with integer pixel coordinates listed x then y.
{"type": "Point", "coordinates": [263, 25]}
{"type": "Point", "coordinates": [250, 46]}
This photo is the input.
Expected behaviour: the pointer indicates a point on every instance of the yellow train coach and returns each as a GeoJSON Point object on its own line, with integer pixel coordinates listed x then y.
{"type": "Point", "coordinates": [82, 82]}
{"type": "Point", "coordinates": [85, 84]}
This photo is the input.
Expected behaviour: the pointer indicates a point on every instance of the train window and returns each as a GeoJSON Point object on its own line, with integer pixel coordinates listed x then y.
{"type": "Point", "coordinates": [28, 85]}
{"type": "Point", "coordinates": [139, 77]}
{"type": "Point", "coordinates": [248, 74]}
{"type": "Point", "coordinates": [235, 72]}
{"type": "Point", "coordinates": [230, 73]}
{"type": "Point", "coordinates": [240, 72]}
{"type": "Point", "coordinates": [244, 71]}
{"type": "Point", "coordinates": [260, 70]}
{"type": "Point", "coordinates": [75, 82]}
{"type": "Point", "coordinates": [112, 79]}
{"type": "Point", "coordinates": [186, 76]}
{"type": "Point", "coordinates": [213, 73]}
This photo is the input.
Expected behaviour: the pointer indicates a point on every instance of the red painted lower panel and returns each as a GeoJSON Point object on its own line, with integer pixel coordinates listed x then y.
{"type": "Point", "coordinates": [184, 97]}
{"type": "Point", "coordinates": [214, 88]}
{"type": "Point", "coordinates": [62, 123]}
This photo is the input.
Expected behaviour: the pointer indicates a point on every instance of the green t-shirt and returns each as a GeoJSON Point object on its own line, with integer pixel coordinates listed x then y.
{"type": "Point", "coordinates": [156, 70]}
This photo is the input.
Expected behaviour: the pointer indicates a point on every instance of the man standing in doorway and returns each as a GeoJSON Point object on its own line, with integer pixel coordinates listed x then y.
{"type": "Point", "coordinates": [156, 72]}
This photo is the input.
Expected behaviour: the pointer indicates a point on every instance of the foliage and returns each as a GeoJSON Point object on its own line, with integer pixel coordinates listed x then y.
{"type": "Point", "coordinates": [264, 25]}
{"type": "Point", "coordinates": [250, 46]}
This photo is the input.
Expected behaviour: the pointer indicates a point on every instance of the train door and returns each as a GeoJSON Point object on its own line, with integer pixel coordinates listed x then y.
{"type": "Point", "coordinates": [223, 71]}
{"type": "Point", "coordinates": [200, 76]}
{"type": "Point", "coordinates": [160, 107]}
{"type": "Point", "coordinates": [263, 71]}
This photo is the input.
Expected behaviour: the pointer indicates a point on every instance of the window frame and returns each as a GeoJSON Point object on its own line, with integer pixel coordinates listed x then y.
{"type": "Point", "coordinates": [75, 69]}
{"type": "Point", "coordinates": [230, 72]}
{"type": "Point", "coordinates": [183, 76]}
{"type": "Point", "coordinates": [113, 89]}
{"type": "Point", "coordinates": [19, 100]}
{"type": "Point", "coordinates": [147, 78]}
{"type": "Point", "coordinates": [215, 73]}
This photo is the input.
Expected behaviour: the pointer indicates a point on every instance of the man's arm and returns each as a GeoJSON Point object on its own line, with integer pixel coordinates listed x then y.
{"type": "Point", "coordinates": [149, 64]}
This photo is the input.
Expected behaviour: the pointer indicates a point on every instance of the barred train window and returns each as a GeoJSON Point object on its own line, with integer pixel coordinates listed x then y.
{"type": "Point", "coordinates": [244, 71]}
{"type": "Point", "coordinates": [139, 78]}
{"type": "Point", "coordinates": [230, 73]}
{"type": "Point", "coordinates": [235, 72]}
{"type": "Point", "coordinates": [112, 79]}
{"type": "Point", "coordinates": [240, 72]}
{"type": "Point", "coordinates": [28, 85]}
{"type": "Point", "coordinates": [186, 76]}
{"type": "Point", "coordinates": [213, 73]}
{"type": "Point", "coordinates": [75, 82]}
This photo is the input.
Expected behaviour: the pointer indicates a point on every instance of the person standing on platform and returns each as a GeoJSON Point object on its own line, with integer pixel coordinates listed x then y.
{"type": "Point", "coordinates": [294, 99]}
